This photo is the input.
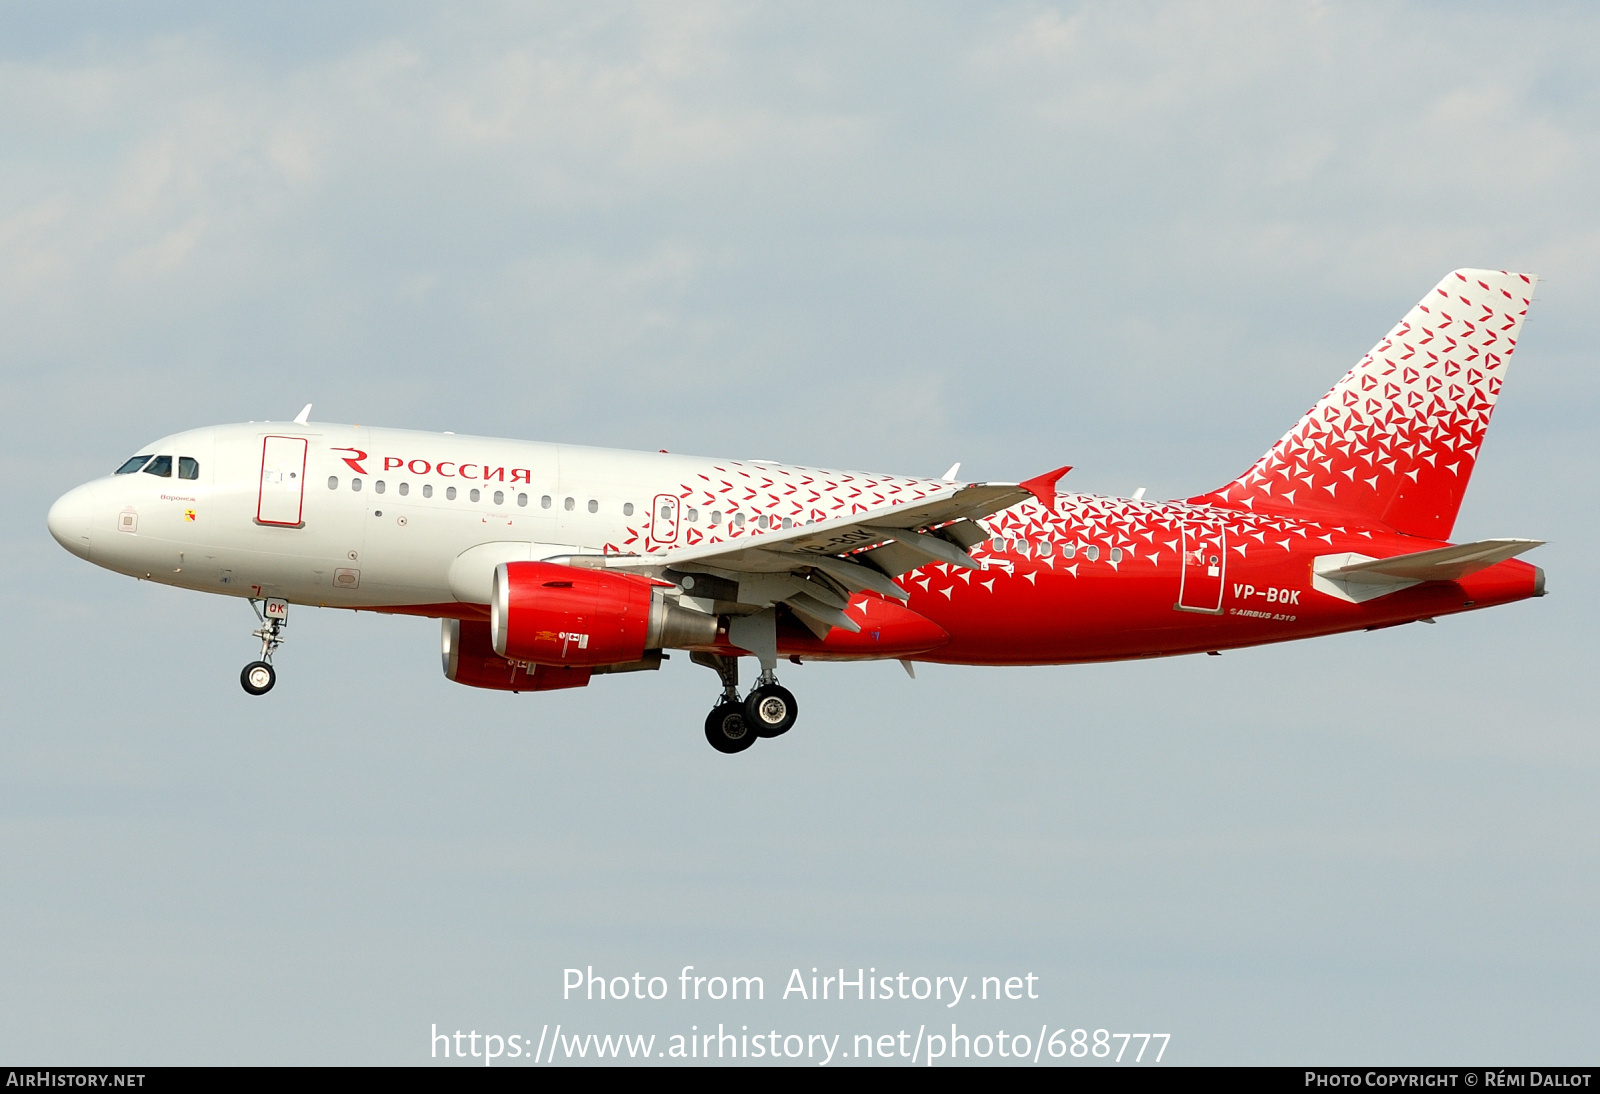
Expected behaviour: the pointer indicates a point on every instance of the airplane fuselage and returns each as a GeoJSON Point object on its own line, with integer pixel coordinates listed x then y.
{"type": "Point", "coordinates": [552, 563]}
{"type": "Point", "coordinates": [380, 519]}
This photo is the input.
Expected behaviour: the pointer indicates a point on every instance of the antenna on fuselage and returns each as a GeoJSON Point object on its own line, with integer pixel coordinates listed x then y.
{"type": "Point", "coordinates": [304, 416]}
{"type": "Point", "coordinates": [950, 475]}
{"type": "Point", "coordinates": [1138, 495]}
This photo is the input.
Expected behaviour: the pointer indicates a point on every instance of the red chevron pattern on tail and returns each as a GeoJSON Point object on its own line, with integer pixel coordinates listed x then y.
{"type": "Point", "coordinates": [1395, 441]}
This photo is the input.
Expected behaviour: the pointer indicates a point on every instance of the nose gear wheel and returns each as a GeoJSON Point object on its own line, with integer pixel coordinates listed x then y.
{"type": "Point", "coordinates": [259, 676]}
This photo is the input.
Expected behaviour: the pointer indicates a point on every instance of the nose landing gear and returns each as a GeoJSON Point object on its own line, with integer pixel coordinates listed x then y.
{"type": "Point", "coordinates": [259, 676]}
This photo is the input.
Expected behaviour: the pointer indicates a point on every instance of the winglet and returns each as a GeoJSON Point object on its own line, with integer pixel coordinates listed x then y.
{"type": "Point", "coordinates": [304, 416]}
{"type": "Point", "coordinates": [1043, 487]}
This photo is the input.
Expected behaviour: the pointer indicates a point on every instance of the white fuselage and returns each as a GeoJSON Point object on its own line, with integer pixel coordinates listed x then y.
{"type": "Point", "coordinates": [385, 514]}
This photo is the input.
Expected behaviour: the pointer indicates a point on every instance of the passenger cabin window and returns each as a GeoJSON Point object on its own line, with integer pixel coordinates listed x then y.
{"type": "Point", "coordinates": [499, 497]}
{"type": "Point", "coordinates": [160, 466]}
{"type": "Point", "coordinates": [449, 493]}
{"type": "Point", "coordinates": [427, 490]}
{"type": "Point", "coordinates": [333, 482]}
{"type": "Point", "coordinates": [738, 520]}
{"type": "Point", "coordinates": [544, 502]}
{"type": "Point", "coordinates": [594, 506]}
{"type": "Point", "coordinates": [475, 494]}
{"type": "Point", "coordinates": [188, 467]}
{"type": "Point", "coordinates": [405, 488]}
{"type": "Point", "coordinates": [355, 485]}
{"type": "Point", "coordinates": [1091, 552]}
{"type": "Point", "coordinates": [522, 500]}
{"type": "Point", "coordinates": [627, 508]}
{"type": "Point", "coordinates": [133, 465]}
{"type": "Point", "coordinates": [568, 504]}
{"type": "Point", "coordinates": [377, 486]}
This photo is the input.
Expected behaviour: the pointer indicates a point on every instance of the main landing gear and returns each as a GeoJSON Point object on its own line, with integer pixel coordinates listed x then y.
{"type": "Point", "coordinates": [259, 676]}
{"type": "Point", "coordinates": [735, 724]}
{"type": "Point", "coordinates": [770, 707]}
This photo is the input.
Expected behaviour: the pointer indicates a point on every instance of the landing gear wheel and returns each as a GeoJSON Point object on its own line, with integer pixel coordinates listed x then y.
{"type": "Point", "coordinates": [726, 729]}
{"type": "Point", "coordinates": [258, 678]}
{"type": "Point", "coordinates": [771, 710]}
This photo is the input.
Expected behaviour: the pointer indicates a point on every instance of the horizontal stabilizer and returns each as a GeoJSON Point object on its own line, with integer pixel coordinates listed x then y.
{"type": "Point", "coordinates": [1357, 577]}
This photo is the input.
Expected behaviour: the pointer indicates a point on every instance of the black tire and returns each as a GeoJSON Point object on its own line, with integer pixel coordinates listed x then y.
{"type": "Point", "coordinates": [258, 678]}
{"type": "Point", "coordinates": [771, 710]}
{"type": "Point", "coordinates": [726, 729]}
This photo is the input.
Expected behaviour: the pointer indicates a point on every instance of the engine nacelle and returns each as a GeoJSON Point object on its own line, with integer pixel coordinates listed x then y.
{"type": "Point", "coordinates": [469, 658]}
{"type": "Point", "coordinates": [550, 614]}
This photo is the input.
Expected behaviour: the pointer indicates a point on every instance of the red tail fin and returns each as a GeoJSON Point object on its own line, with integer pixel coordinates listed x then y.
{"type": "Point", "coordinates": [1395, 441]}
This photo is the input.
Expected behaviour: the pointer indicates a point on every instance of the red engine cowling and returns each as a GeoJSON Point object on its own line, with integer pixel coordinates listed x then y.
{"type": "Point", "coordinates": [469, 658]}
{"type": "Point", "coordinates": [552, 614]}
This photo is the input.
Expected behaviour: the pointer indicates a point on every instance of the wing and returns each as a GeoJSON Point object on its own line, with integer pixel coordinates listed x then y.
{"type": "Point", "coordinates": [814, 569]}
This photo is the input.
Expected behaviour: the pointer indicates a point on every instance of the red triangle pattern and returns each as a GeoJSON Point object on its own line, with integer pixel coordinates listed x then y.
{"type": "Point", "coordinates": [1396, 439]}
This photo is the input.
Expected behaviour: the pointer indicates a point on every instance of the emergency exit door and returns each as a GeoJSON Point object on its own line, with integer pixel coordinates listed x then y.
{"type": "Point", "coordinates": [283, 481]}
{"type": "Point", "coordinates": [664, 519]}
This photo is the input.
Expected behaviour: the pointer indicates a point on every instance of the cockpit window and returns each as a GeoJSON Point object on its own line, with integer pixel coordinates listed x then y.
{"type": "Point", "coordinates": [188, 467]}
{"type": "Point", "coordinates": [161, 465]}
{"type": "Point", "coordinates": [132, 465]}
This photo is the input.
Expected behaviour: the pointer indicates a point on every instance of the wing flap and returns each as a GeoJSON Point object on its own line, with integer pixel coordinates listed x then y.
{"type": "Point", "coordinates": [851, 575]}
{"type": "Point", "coordinates": [935, 549]}
{"type": "Point", "coordinates": [810, 608]}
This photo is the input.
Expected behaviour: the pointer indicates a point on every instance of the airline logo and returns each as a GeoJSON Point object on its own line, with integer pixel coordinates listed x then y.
{"type": "Point", "coordinates": [449, 469]}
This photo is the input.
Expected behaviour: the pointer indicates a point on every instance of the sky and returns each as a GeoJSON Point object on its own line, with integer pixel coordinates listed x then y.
{"type": "Point", "coordinates": [1139, 239]}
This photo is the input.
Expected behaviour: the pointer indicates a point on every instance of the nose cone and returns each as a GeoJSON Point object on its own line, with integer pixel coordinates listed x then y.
{"type": "Point", "coordinates": [70, 519]}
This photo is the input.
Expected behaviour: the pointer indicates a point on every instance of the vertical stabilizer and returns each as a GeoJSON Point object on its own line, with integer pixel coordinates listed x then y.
{"type": "Point", "coordinates": [1395, 441]}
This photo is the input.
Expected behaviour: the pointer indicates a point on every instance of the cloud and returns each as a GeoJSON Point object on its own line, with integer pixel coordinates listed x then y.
{"type": "Point", "coordinates": [1140, 239]}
